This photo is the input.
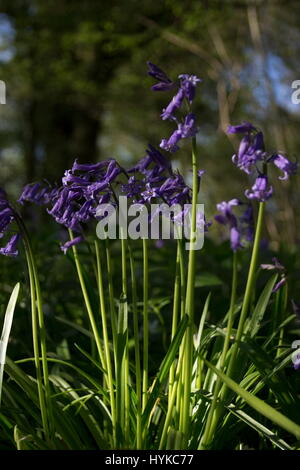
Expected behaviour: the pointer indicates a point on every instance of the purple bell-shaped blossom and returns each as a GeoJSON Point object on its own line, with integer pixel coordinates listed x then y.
{"type": "Point", "coordinates": [260, 189]}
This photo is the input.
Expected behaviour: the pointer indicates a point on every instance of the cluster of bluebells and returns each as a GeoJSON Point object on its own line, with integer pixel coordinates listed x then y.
{"type": "Point", "coordinates": [7, 216]}
{"type": "Point", "coordinates": [185, 91]}
{"type": "Point", "coordinates": [253, 159]}
{"type": "Point", "coordinates": [74, 204]}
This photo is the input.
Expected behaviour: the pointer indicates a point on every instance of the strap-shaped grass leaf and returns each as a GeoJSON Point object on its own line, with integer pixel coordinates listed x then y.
{"type": "Point", "coordinates": [9, 314]}
{"type": "Point", "coordinates": [164, 368]}
{"type": "Point", "coordinates": [260, 308]}
{"type": "Point", "coordinates": [259, 405]}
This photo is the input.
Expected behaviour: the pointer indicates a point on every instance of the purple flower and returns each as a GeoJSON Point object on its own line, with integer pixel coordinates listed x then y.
{"type": "Point", "coordinates": [226, 217]}
{"type": "Point", "coordinates": [241, 128]}
{"type": "Point", "coordinates": [133, 187]}
{"type": "Point", "coordinates": [285, 165]}
{"type": "Point", "coordinates": [164, 82]}
{"type": "Point", "coordinates": [279, 284]}
{"type": "Point", "coordinates": [185, 130]}
{"type": "Point", "coordinates": [187, 88]}
{"type": "Point", "coordinates": [90, 168]}
{"type": "Point", "coordinates": [188, 85]}
{"type": "Point", "coordinates": [251, 150]}
{"type": "Point", "coordinates": [6, 217]}
{"type": "Point", "coordinates": [275, 266]}
{"type": "Point", "coordinates": [175, 103]}
{"type": "Point", "coordinates": [259, 189]}
{"type": "Point", "coordinates": [235, 239]}
{"type": "Point", "coordinates": [158, 158]}
{"type": "Point", "coordinates": [11, 248]}
{"type": "Point", "coordinates": [297, 363]}
{"type": "Point", "coordinates": [37, 193]}
{"type": "Point", "coordinates": [70, 243]}
{"type": "Point", "coordinates": [149, 193]}
{"type": "Point", "coordinates": [6, 213]}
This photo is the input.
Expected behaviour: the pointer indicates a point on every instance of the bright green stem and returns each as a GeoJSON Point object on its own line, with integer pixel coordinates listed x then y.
{"type": "Point", "coordinates": [233, 363]}
{"type": "Point", "coordinates": [35, 338]}
{"type": "Point", "coordinates": [38, 331]}
{"type": "Point", "coordinates": [172, 400]}
{"type": "Point", "coordinates": [88, 304]}
{"type": "Point", "coordinates": [106, 340]}
{"type": "Point", "coordinates": [178, 307]}
{"type": "Point", "coordinates": [111, 299]}
{"type": "Point", "coordinates": [212, 419]}
{"type": "Point", "coordinates": [125, 368]}
{"type": "Point", "coordinates": [188, 354]}
{"type": "Point", "coordinates": [145, 323]}
{"type": "Point", "coordinates": [137, 352]}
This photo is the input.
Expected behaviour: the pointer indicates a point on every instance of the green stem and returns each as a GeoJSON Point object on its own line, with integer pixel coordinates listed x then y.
{"type": "Point", "coordinates": [176, 306]}
{"type": "Point", "coordinates": [35, 338]}
{"type": "Point", "coordinates": [188, 357]}
{"type": "Point", "coordinates": [233, 363]}
{"type": "Point", "coordinates": [212, 418]}
{"type": "Point", "coordinates": [88, 304]}
{"type": "Point", "coordinates": [137, 352]}
{"type": "Point", "coordinates": [111, 299]}
{"type": "Point", "coordinates": [125, 366]}
{"type": "Point", "coordinates": [106, 340]}
{"type": "Point", "coordinates": [145, 323]}
{"type": "Point", "coordinates": [38, 330]}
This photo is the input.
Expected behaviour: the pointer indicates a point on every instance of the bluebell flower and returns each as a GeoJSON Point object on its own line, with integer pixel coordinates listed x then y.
{"type": "Point", "coordinates": [241, 128]}
{"type": "Point", "coordinates": [11, 248]}
{"type": "Point", "coordinates": [235, 224]}
{"type": "Point", "coordinates": [184, 130]}
{"type": "Point", "coordinates": [188, 84]}
{"type": "Point", "coordinates": [285, 165]}
{"type": "Point", "coordinates": [71, 243]}
{"type": "Point", "coordinates": [260, 189]}
{"type": "Point", "coordinates": [164, 82]}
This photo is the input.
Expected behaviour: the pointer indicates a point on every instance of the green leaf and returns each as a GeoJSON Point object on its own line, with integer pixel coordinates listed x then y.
{"type": "Point", "coordinates": [164, 369]}
{"type": "Point", "coordinates": [206, 279]}
{"type": "Point", "coordinates": [261, 306]}
{"type": "Point", "coordinates": [9, 314]}
{"type": "Point", "coordinates": [259, 405]}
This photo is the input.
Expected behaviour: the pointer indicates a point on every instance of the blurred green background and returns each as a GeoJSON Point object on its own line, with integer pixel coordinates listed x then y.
{"type": "Point", "coordinates": [77, 87]}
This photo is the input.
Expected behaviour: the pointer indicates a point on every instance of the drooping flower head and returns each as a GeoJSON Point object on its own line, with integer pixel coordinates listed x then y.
{"type": "Point", "coordinates": [284, 164]}
{"type": "Point", "coordinates": [251, 148]}
{"type": "Point", "coordinates": [260, 190]}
